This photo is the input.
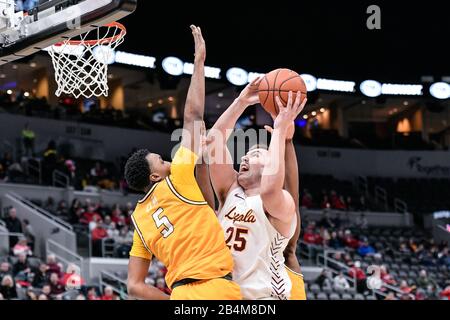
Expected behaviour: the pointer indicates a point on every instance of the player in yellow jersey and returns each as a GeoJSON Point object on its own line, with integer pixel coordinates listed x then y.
{"type": "Point", "coordinates": [173, 222]}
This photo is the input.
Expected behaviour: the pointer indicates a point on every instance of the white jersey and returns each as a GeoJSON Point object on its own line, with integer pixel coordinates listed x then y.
{"type": "Point", "coordinates": [257, 248]}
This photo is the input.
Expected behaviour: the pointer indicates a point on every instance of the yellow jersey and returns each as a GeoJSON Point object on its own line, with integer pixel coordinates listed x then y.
{"type": "Point", "coordinates": [174, 223]}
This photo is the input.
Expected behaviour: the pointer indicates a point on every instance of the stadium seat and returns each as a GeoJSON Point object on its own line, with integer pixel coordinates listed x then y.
{"type": "Point", "coordinates": [358, 296]}
{"type": "Point", "coordinates": [310, 295]}
{"type": "Point", "coordinates": [334, 296]}
{"type": "Point", "coordinates": [402, 274]}
{"type": "Point", "coordinates": [321, 296]}
{"type": "Point", "coordinates": [371, 298]}
{"type": "Point", "coordinates": [346, 296]}
{"type": "Point", "coordinates": [315, 288]}
{"type": "Point", "coordinates": [327, 289]}
{"type": "Point", "coordinates": [70, 295]}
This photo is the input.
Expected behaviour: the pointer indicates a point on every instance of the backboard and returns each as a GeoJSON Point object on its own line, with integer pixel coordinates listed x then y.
{"type": "Point", "coordinates": [23, 33]}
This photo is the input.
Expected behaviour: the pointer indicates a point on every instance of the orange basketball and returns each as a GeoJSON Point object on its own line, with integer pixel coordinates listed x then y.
{"type": "Point", "coordinates": [280, 82]}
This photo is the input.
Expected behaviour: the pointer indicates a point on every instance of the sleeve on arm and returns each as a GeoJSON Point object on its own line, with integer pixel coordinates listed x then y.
{"type": "Point", "coordinates": [138, 249]}
{"type": "Point", "coordinates": [183, 167]}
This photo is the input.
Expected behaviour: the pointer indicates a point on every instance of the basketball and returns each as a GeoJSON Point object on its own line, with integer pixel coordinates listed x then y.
{"type": "Point", "coordinates": [279, 82]}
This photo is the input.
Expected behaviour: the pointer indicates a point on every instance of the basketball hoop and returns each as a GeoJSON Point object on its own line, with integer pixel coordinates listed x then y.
{"type": "Point", "coordinates": [81, 63]}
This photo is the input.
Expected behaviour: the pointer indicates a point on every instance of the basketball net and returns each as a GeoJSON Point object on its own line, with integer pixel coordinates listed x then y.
{"type": "Point", "coordinates": [81, 63]}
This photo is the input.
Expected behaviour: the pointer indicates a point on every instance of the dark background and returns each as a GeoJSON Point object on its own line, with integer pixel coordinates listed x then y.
{"type": "Point", "coordinates": [325, 38]}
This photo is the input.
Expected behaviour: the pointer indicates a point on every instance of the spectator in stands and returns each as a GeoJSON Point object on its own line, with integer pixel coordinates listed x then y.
{"type": "Point", "coordinates": [129, 209]}
{"type": "Point", "coordinates": [365, 249]}
{"type": "Point", "coordinates": [324, 236]}
{"type": "Point", "coordinates": [28, 231]}
{"type": "Point", "coordinates": [340, 283]}
{"type": "Point", "coordinates": [161, 285]}
{"type": "Point", "coordinates": [49, 162]}
{"type": "Point", "coordinates": [46, 291]}
{"type": "Point", "coordinates": [349, 204]}
{"type": "Point", "coordinates": [62, 209]}
{"type": "Point", "coordinates": [325, 203]}
{"type": "Point", "coordinates": [307, 200]}
{"type": "Point", "coordinates": [8, 288]}
{"type": "Point", "coordinates": [362, 205]}
{"type": "Point", "coordinates": [40, 277]}
{"type": "Point", "coordinates": [22, 265]}
{"type": "Point", "coordinates": [357, 273]}
{"type": "Point", "coordinates": [443, 257]}
{"type": "Point", "coordinates": [123, 241]}
{"type": "Point", "coordinates": [390, 296]}
{"type": "Point", "coordinates": [56, 287]}
{"type": "Point", "coordinates": [349, 240]}
{"type": "Point", "coordinates": [2, 172]}
{"type": "Point", "coordinates": [92, 294]}
{"type": "Point", "coordinates": [324, 279]}
{"type": "Point", "coordinates": [386, 277]}
{"type": "Point", "coordinates": [22, 247]}
{"type": "Point", "coordinates": [432, 292]}
{"type": "Point", "coordinates": [75, 211]}
{"type": "Point", "coordinates": [43, 296]}
{"type": "Point", "coordinates": [362, 222]}
{"type": "Point", "coordinates": [72, 278]}
{"type": "Point", "coordinates": [335, 242]}
{"type": "Point", "coordinates": [94, 222]}
{"type": "Point", "coordinates": [89, 215]}
{"type": "Point", "coordinates": [80, 297]}
{"type": "Point", "coordinates": [405, 288]}
{"type": "Point", "coordinates": [5, 269]}
{"type": "Point", "coordinates": [98, 234]}
{"type": "Point", "coordinates": [49, 205]}
{"type": "Point", "coordinates": [423, 280]}
{"type": "Point", "coordinates": [326, 221]}
{"type": "Point", "coordinates": [6, 162]}
{"type": "Point", "coordinates": [445, 293]}
{"type": "Point", "coordinates": [28, 137]}
{"type": "Point", "coordinates": [339, 203]}
{"type": "Point", "coordinates": [13, 225]}
{"type": "Point", "coordinates": [108, 294]}
{"type": "Point", "coordinates": [52, 264]}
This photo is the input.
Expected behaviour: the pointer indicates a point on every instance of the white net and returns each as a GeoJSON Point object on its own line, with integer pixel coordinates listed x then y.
{"type": "Point", "coordinates": [81, 63]}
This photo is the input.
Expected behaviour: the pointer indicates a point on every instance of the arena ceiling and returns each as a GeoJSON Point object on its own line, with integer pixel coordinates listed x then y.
{"type": "Point", "coordinates": [325, 38]}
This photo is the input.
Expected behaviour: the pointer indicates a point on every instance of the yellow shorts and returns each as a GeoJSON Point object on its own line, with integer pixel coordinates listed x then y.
{"type": "Point", "coordinates": [214, 289]}
{"type": "Point", "coordinates": [298, 285]}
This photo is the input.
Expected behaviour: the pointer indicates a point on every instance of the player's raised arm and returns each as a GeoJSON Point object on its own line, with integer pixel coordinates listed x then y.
{"type": "Point", "coordinates": [195, 101]}
{"type": "Point", "coordinates": [137, 288]}
{"type": "Point", "coordinates": [291, 185]}
{"type": "Point", "coordinates": [278, 202]}
{"type": "Point", "coordinates": [221, 168]}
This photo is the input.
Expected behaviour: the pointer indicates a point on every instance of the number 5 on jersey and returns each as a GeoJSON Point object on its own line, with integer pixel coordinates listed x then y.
{"type": "Point", "coordinates": [163, 221]}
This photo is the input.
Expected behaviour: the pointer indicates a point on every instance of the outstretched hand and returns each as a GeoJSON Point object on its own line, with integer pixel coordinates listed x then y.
{"type": "Point", "coordinates": [287, 115]}
{"type": "Point", "coordinates": [250, 96]}
{"type": "Point", "coordinates": [200, 47]}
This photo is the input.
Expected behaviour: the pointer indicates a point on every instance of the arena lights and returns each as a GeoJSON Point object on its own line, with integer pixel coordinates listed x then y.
{"type": "Point", "coordinates": [310, 81]}
{"type": "Point", "coordinates": [336, 85]}
{"type": "Point", "coordinates": [237, 76]}
{"type": "Point", "coordinates": [402, 89]}
{"type": "Point", "coordinates": [173, 66]}
{"type": "Point", "coordinates": [370, 88]}
{"type": "Point", "coordinates": [135, 59]}
{"type": "Point", "coordinates": [440, 90]}
{"type": "Point", "coordinates": [210, 72]}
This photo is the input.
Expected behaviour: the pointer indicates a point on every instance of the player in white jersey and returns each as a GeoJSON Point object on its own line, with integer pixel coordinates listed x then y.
{"type": "Point", "coordinates": [258, 216]}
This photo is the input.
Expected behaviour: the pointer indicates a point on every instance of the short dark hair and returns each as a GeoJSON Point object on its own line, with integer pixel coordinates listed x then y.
{"type": "Point", "coordinates": [137, 170]}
